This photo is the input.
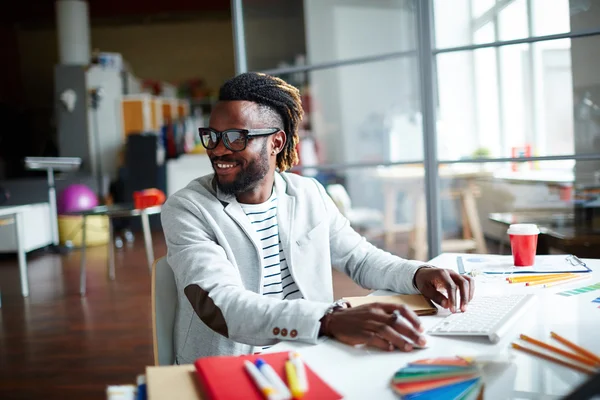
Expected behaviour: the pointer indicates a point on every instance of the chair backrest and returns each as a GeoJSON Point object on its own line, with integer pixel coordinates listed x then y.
{"type": "Point", "coordinates": [164, 307]}
{"type": "Point", "coordinates": [340, 197]}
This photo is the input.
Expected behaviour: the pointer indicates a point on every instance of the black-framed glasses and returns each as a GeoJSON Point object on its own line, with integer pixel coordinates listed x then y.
{"type": "Point", "coordinates": [233, 139]}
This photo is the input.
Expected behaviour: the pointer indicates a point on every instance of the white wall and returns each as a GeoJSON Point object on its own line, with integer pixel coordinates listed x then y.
{"type": "Point", "coordinates": [170, 52]}
{"type": "Point", "coordinates": [352, 100]}
{"type": "Point", "coordinates": [365, 112]}
{"type": "Point", "coordinates": [274, 33]}
{"type": "Point", "coordinates": [371, 94]}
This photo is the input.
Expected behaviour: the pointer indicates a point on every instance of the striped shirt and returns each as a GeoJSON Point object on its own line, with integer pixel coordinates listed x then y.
{"type": "Point", "coordinates": [277, 279]}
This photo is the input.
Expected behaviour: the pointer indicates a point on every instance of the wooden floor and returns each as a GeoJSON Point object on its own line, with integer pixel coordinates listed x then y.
{"type": "Point", "coordinates": [57, 345]}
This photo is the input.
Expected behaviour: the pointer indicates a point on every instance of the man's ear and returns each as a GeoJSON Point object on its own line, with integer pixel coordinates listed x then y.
{"type": "Point", "coordinates": [279, 140]}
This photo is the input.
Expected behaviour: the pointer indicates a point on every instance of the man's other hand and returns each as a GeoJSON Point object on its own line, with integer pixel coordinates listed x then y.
{"type": "Point", "coordinates": [442, 285]}
{"type": "Point", "coordinates": [385, 326]}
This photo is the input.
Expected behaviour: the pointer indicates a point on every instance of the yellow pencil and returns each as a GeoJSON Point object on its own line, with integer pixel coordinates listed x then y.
{"type": "Point", "coordinates": [576, 278]}
{"type": "Point", "coordinates": [551, 280]}
{"type": "Point", "coordinates": [527, 278]}
{"type": "Point", "coordinates": [292, 379]}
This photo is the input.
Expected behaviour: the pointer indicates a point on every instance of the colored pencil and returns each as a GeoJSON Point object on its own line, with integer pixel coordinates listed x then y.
{"type": "Point", "coordinates": [550, 280]}
{"type": "Point", "coordinates": [576, 357]}
{"type": "Point", "coordinates": [577, 278]}
{"type": "Point", "coordinates": [573, 346]}
{"type": "Point", "coordinates": [585, 370]}
{"type": "Point", "coordinates": [527, 278]}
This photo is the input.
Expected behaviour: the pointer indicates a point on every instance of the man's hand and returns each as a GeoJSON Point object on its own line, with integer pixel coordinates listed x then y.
{"type": "Point", "coordinates": [432, 282]}
{"type": "Point", "coordinates": [385, 326]}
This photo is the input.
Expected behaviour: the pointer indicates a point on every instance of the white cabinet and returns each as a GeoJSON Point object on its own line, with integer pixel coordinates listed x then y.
{"type": "Point", "coordinates": [37, 230]}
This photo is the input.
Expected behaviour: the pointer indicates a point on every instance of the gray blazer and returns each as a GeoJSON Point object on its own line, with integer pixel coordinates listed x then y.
{"type": "Point", "coordinates": [215, 255]}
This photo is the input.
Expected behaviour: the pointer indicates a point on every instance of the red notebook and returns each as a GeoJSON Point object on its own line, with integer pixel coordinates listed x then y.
{"type": "Point", "coordinates": [225, 378]}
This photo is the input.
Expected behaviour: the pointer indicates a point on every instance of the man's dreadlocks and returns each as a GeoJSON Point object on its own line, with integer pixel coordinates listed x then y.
{"type": "Point", "coordinates": [278, 100]}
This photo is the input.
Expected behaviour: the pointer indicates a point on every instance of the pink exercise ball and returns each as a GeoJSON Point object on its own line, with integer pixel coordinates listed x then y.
{"type": "Point", "coordinates": [75, 198]}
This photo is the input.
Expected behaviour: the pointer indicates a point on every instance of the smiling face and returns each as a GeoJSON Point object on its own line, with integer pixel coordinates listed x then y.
{"type": "Point", "coordinates": [242, 172]}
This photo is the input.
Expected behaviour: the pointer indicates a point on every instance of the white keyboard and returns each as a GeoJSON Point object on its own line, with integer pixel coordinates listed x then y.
{"type": "Point", "coordinates": [490, 317]}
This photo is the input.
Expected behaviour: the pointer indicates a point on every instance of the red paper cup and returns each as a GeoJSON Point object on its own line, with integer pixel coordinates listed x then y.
{"type": "Point", "coordinates": [523, 242]}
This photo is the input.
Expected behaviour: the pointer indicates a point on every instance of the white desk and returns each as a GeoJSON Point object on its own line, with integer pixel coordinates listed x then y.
{"type": "Point", "coordinates": [17, 212]}
{"type": "Point", "coordinates": [365, 374]}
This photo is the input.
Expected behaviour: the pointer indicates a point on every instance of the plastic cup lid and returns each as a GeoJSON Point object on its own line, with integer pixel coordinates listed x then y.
{"type": "Point", "coordinates": [523, 229]}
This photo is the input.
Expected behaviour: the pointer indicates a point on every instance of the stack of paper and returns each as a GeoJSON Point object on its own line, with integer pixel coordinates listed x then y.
{"type": "Point", "coordinates": [439, 378]}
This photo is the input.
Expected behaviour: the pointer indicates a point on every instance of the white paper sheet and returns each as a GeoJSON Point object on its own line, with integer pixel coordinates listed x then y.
{"type": "Point", "coordinates": [493, 264]}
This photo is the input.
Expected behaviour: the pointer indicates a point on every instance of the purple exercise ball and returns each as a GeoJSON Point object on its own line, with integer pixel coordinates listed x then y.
{"type": "Point", "coordinates": [76, 198]}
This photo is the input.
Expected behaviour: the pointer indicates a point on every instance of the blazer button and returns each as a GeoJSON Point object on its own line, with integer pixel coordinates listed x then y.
{"type": "Point", "coordinates": [275, 331]}
{"type": "Point", "coordinates": [284, 332]}
{"type": "Point", "coordinates": [293, 333]}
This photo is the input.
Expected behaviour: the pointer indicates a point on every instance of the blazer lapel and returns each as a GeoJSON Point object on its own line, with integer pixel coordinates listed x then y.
{"type": "Point", "coordinates": [234, 210]}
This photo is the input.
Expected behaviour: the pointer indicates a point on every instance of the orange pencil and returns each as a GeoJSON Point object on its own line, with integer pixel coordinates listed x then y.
{"type": "Point", "coordinates": [573, 346]}
{"type": "Point", "coordinates": [581, 359]}
{"type": "Point", "coordinates": [550, 280]}
{"type": "Point", "coordinates": [555, 360]}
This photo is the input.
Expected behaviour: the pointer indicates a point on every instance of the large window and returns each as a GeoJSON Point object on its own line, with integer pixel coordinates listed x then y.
{"type": "Point", "coordinates": [510, 100]}
{"type": "Point", "coordinates": [501, 101]}
{"type": "Point", "coordinates": [511, 79]}
{"type": "Point", "coordinates": [465, 22]}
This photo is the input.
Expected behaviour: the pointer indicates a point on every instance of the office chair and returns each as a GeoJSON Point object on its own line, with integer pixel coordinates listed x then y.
{"type": "Point", "coordinates": [164, 307]}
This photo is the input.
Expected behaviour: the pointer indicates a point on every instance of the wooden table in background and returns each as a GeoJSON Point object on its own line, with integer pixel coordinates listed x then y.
{"type": "Point", "coordinates": [410, 180]}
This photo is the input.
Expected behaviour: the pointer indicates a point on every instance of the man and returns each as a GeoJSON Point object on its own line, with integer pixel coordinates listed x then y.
{"type": "Point", "coordinates": [252, 247]}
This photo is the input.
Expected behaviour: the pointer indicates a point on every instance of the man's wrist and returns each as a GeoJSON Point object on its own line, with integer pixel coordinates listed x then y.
{"type": "Point", "coordinates": [326, 319]}
{"type": "Point", "coordinates": [324, 328]}
{"type": "Point", "coordinates": [414, 281]}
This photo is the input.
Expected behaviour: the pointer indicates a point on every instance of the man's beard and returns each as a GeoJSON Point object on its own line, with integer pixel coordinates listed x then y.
{"type": "Point", "coordinates": [249, 177]}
